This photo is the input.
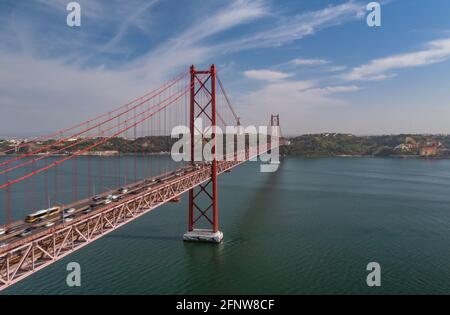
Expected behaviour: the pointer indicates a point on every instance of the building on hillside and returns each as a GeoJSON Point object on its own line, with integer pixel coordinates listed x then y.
{"type": "Point", "coordinates": [413, 146]}
{"type": "Point", "coordinates": [427, 149]}
{"type": "Point", "coordinates": [402, 147]}
{"type": "Point", "coordinates": [430, 149]}
{"type": "Point", "coordinates": [410, 145]}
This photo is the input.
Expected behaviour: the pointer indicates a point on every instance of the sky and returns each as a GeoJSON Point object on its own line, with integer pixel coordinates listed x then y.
{"type": "Point", "coordinates": [316, 63]}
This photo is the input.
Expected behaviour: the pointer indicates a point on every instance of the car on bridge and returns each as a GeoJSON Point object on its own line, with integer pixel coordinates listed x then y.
{"type": "Point", "coordinates": [137, 191]}
{"type": "Point", "coordinates": [89, 209]}
{"type": "Point", "coordinates": [2, 231]}
{"type": "Point", "coordinates": [69, 210]}
{"type": "Point", "coordinates": [154, 180]}
{"type": "Point", "coordinates": [26, 232]}
{"type": "Point", "coordinates": [49, 224]}
{"type": "Point", "coordinates": [13, 229]}
{"type": "Point", "coordinates": [97, 198]}
{"type": "Point", "coordinates": [68, 219]}
{"type": "Point", "coordinates": [94, 205]}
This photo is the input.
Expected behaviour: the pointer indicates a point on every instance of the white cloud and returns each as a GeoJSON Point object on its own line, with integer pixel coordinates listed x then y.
{"type": "Point", "coordinates": [35, 90]}
{"type": "Point", "coordinates": [337, 89]}
{"type": "Point", "coordinates": [266, 75]}
{"type": "Point", "coordinates": [187, 47]}
{"type": "Point", "coordinates": [133, 19]}
{"type": "Point", "coordinates": [380, 69]}
{"type": "Point", "coordinates": [292, 100]}
{"type": "Point", "coordinates": [297, 27]}
{"type": "Point", "coordinates": [337, 68]}
{"type": "Point", "coordinates": [309, 62]}
{"type": "Point", "coordinates": [238, 12]}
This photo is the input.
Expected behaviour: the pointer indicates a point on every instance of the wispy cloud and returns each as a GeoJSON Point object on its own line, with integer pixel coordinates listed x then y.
{"type": "Point", "coordinates": [236, 13]}
{"type": "Point", "coordinates": [380, 69]}
{"type": "Point", "coordinates": [35, 92]}
{"type": "Point", "coordinates": [337, 89]}
{"type": "Point", "coordinates": [78, 61]}
{"type": "Point", "coordinates": [301, 25]}
{"type": "Point", "coordinates": [75, 87]}
{"type": "Point", "coordinates": [337, 68]}
{"type": "Point", "coordinates": [189, 47]}
{"type": "Point", "coordinates": [133, 19]}
{"type": "Point", "coordinates": [292, 100]}
{"type": "Point", "coordinates": [104, 25]}
{"type": "Point", "coordinates": [266, 75]}
{"type": "Point", "coordinates": [309, 62]}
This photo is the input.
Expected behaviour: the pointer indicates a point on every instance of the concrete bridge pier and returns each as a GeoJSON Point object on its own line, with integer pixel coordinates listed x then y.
{"type": "Point", "coordinates": [203, 235]}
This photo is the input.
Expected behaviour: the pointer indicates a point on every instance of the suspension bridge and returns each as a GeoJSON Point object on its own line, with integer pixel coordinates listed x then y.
{"type": "Point", "coordinates": [84, 196]}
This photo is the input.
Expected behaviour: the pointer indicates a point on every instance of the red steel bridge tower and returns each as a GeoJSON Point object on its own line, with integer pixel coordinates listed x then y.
{"type": "Point", "coordinates": [275, 120]}
{"type": "Point", "coordinates": [203, 199]}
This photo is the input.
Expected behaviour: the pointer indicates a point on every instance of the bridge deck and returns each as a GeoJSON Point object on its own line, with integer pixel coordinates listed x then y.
{"type": "Point", "coordinates": [24, 256]}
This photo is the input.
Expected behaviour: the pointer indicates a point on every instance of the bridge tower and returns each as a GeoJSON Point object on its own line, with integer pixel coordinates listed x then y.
{"type": "Point", "coordinates": [275, 120]}
{"type": "Point", "coordinates": [203, 204]}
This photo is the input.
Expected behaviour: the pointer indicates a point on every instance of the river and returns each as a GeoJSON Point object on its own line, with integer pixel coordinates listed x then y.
{"type": "Point", "coordinates": [312, 227]}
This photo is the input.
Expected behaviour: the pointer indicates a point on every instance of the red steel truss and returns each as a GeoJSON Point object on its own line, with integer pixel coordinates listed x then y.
{"type": "Point", "coordinates": [40, 250]}
{"type": "Point", "coordinates": [203, 105]}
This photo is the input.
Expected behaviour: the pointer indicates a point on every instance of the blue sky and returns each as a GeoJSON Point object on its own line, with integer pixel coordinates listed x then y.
{"type": "Point", "coordinates": [314, 62]}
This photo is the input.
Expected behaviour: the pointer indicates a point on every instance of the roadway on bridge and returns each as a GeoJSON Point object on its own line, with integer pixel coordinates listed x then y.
{"type": "Point", "coordinates": [21, 229]}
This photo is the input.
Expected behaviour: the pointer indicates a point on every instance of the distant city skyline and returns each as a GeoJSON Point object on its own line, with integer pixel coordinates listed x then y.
{"type": "Point", "coordinates": [316, 63]}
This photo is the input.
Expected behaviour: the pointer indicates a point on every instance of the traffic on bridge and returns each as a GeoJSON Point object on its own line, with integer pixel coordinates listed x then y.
{"type": "Point", "coordinates": [45, 235]}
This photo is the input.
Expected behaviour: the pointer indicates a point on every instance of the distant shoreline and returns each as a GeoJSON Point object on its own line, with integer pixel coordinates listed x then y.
{"type": "Point", "coordinates": [311, 156]}
{"type": "Point", "coordinates": [90, 154]}
{"type": "Point", "coordinates": [344, 156]}
{"type": "Point", "coordinates": [309, 146]}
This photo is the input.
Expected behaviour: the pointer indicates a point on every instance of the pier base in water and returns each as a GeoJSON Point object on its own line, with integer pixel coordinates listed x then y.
{"type": "Point", "coordinates": [203, 236]}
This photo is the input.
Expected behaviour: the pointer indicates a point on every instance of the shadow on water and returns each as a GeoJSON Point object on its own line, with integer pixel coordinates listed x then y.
{"type": "Point", "coordinates": [259, 202]}
{"type": "Point", "coordinates": [208, 265]}
{"type": "Point", "coordinates": [145, 237]}
{"type": "Point", "coordinates": [204, 266]}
